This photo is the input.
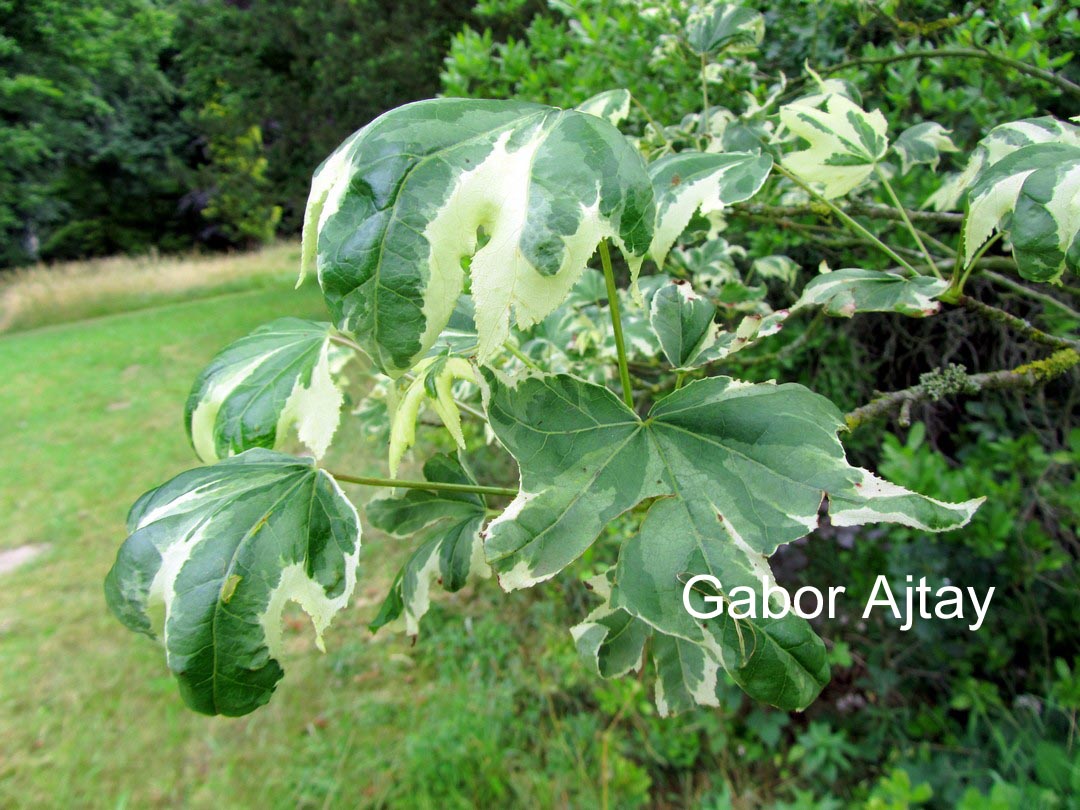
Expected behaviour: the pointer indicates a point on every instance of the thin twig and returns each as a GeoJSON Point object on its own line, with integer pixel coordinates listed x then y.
{"type": "Point", "coordinates": [1017, 287]}
{"type": "Point", "coordinates": [955, 53]}
{"type": "Point", "coordinates": [853, 207]}
{"type": "Point", "coordinates": [907, 220]}
{"type": "Point", "coordinates": [1018, 325]}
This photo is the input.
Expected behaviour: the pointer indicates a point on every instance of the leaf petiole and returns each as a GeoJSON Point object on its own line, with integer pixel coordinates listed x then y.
{"type": "Point", "coordinates": [907, 220]}
{"type": "Point", "coordinates": [616, 324]}
{"type": "Point", "coordinates": [847, 220]}
{"type": "Point", "coordinates": [435, 486]}
{"type": "Point", "coordinates": [520, 355]}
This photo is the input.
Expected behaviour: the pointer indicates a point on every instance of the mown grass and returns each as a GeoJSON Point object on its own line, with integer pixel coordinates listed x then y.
{"type": "Point", "coordinates": [73, 291]}
{"type": "Point", "coordinates": [90, 717]}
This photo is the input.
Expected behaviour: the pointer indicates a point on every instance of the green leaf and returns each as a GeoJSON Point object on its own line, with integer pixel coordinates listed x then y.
{"type": "Point", "coordinates": [687, 675]}
{"type": "Point", "coordinates": [395, 211]}
{"type": "Point", "coordinates": [781, 268]}
{"type": "Point", "coordinates": [1034, 193]}
{"type": "Point", "coordinates": [711, 264]}
{"type": "Point", "coordinates": [846, 142]}
{"type": "Point", "coordinates": [435, 377]}
{"type": "Point", "coordinates": [611, 105]}
{"type": "Point", "coordinates": [751, 328]}
{"type": "Point", "coordinates": [683, 321]}
{"type": "Point", "coordinates": [610, 640]}
{"type": "Point", "coordinates": [451, 551]}
{"type": "Point", "coordinates": [214, 555]}
{"type": "Point", "coordinates": [737, 470]}
{"type": "Point", "coordinates": [715, 27]}
{"type": "Point", "coordinates": [255, 389]}
{"type": "Point", "coordinates": [842, 293]}
{"type": "Point", "coordinates": [692, 181]}
{"type": "Point", "coordinates": [999, 143]}
{"type": "Point", "coordinates": [923, 144]}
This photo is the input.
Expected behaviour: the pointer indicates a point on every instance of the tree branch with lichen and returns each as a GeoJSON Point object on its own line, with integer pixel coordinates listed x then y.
{"type": "Point", "coordinates": [954, 379]}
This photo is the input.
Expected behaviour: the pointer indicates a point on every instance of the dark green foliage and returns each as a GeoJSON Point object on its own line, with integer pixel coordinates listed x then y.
{"type": "Point", "coordinates": [89, 132]}
{"type": "Point", "coordinates": [136, 124]}
{"type": "Point", "coordinates": [310, 73]}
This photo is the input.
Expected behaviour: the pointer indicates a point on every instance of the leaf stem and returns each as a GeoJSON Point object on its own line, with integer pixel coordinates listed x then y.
{"type": "Point", "coordinates": [903, 215]}
{"type": "Point", "coordinates": [435, 486]}
{"type": "Point", "coordinates": [616, 324]}
{"type": "Point", "coordinates": [520, 355]}
{"type": "Point", "coordinates": [651, 120]}
{"type": "Point", "coordinates": [704, 100]}
{"type": "Point", "coordinates": [960, 274]}
{"type": "Point", "coordinates": [851, 223]}
{"type": "Point", "coordinates": [342, 340]}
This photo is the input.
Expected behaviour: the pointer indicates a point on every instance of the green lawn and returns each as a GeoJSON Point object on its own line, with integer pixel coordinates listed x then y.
{"type": "Point", "coordinates": [89, 716]}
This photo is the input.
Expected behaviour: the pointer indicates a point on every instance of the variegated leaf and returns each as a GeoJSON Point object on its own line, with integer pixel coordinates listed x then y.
{"type": "Point", "coordinates": [433, 384]}
{"type": "Point", "coordinates": [258, 387]}
{"type": "Point", "coordinates": [683, 321]}
{"type": "Point", "coordinates": [846, 142]}
{"type": "Point", "coordinates": [399, 207]}
{"type": "Point", "coordinates": [712, 28]}
{"type": "Point", "coordinates": [214, 555]}
{"type": "Point", "coordinates": [738, 470]}
{"type": "Point", "coordinates": [751, 329]}
{"type": "Point", "coordinates": [781, 268]}
{"type": "Point", "coordinates": [1034, 193]}
{"type": "Point", "coordinates": [692, 181]}
{"type": "Point", "coordinates": [610, 640]}
{"type": "Point", "coordinates": [923, 144]}
{"type": "Point", "coordinates": [842, 293]}
{"type": "Point", "coordinates": [687, 675]}
{"type": "Point", "coordinates": [451, 551]}
{"type": "Point", "coordinates": [998, 144]}
{"type": "Point", "coordinates": [611, 105]}
{"type": "Point", "coordinates": [711, 264]}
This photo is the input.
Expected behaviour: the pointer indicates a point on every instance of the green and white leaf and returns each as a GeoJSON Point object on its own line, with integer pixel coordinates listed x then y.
{"type": "Point", "coordinates": [1034, 193]}
{"type": "Point", "coordinates": [998, 144]}
{"type": "Point", "coordinates": [451, 550]}
{"type": "Point", "coordinates": [433, 384]}
{"type": "Point", "coordinates": [699, 181]}
{"type": "Point", "coordinates": [711, 264]}
{"type": "Point", "coordinates": [751, 329]}
{"type": "Point", "coordinates": [687, 675]}
{"type": "Point", "coordinates": [214, 555]}
{"type": "Point", "coordinates": [257, 388]}
{"type": "Point", "coordinates": [842, 293]}
{"type": "Point", "coordinates": [713, 28]}
{"type": "Point", "coordinates": [782, 268]}
{"type": "Point", "coordinates": [923, 144]}
{"type": "Point", "coordinates": [459, 335]}
{"type": "Point", "coordinates": [610, 640]}
{"type": "Point", "coordinates": [400, 206]}
{"type": "Point", "coordinates": [684, 322]}
{"type": "Point", "coordinates": [738, 470]}
{"type": "Point", "coordinates": [611, 105]}
{"type": "Point", "coordinates": [846, 142]}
